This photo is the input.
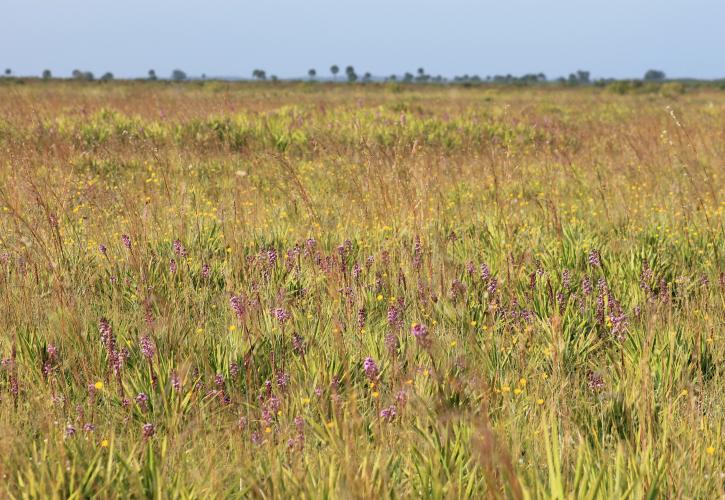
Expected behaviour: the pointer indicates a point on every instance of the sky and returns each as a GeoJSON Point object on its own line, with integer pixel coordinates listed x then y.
{"type": "Point", "coordinates": [612, 38]}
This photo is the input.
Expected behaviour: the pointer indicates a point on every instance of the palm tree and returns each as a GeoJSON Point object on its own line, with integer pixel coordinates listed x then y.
{"type": "Point", "coordinates": [152, 74]}
{"type": "Point", "coordinates": [312, 73]}
{"type": "Point", "coordinates": [334, 69]}
{"type": "Point", "coordinates": [8, 72]}
{"type": "Point", "coordinates": [47, 75]}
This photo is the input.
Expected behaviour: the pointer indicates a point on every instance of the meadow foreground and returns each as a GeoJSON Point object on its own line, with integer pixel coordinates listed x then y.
{"type": "Point", "coordinates": [360, 291]}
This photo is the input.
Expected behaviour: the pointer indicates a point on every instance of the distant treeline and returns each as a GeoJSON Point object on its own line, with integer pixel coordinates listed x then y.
{"type": "Point", "coordinates": [578, 78]}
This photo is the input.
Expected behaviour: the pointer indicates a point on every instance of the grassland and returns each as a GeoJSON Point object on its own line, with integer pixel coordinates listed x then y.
{"type": "Point", "coordinates": [225, 290]}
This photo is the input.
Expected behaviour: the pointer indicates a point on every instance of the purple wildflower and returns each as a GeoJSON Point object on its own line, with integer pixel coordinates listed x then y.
{"type": "Point", "coordinates": [417, 253]}
{"type": "Point", "coordinates": [298, 344]}
{"type": "Point", "coordinates": [142, 400]}
{"type": "Point", "coordinates": [237, 304]}
{"type": "Point", "coordinates": [587, 285]}
{"type": "Point", "coordinates": [388, 414]}
{"type": "Point", "coordinates": [361, 317]}
{"type": "Point", "coordinates": [458, 289]}
{"type": "Point", "coordinates": [148, 349]}
{"type": "Point", "coordinates": [470, 268]}
{"type": "Point", "coordinates": [565, 279]}
{"type": "Point", "coordinates": [148, 430]}
{"type": "Point", "coordinates": [371, 368]}
{"type": "Point", "coordinates": [257, 438]}
{"type": "Point", "coordinates": [391, 343]}
{"type": "Point", "coordinates": [281, 315]}
{"type": "Point", "coordinates": [485, 273]}
{"type": "Point", "coordinates": [595, 381]}
{"type": "Point", "coordinates": [300, 424]}
{"type": "Point", "coordinates": [175, 382]}
{"type": "Point", "coordinates": [283, 379]}
{"type": "Point", "coordinates": [420, 332]}
{"type": "Point", "coordinates": [272, 257]}
{"type": "Point", "coordinates": [401, 398]}
{"type": "Point", "coordinates": [179, 249]}
{"type": "Point", "coordinates": [594, 258]}
{"type": "Point", "coordinates": [104, 327]}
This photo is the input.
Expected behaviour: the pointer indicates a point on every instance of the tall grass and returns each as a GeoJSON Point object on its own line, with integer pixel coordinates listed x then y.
{"type": "Point", "coordinates": [224, 290]}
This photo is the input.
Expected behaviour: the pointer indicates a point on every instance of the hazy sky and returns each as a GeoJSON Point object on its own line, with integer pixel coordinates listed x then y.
{"type": "Point", "coordinates": [619, 38]}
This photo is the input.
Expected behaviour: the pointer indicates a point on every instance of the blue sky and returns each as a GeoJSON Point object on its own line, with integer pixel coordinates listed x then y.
{"type": "Point", "coordinates": [619, 38]}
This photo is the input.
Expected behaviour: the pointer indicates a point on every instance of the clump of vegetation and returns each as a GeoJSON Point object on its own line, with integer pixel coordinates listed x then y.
{"type": "Point", "coordinates": [356, 290]}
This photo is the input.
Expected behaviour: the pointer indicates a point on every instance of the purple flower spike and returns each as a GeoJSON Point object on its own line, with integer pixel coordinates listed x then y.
{"type": "Point", "coordinates": [148, 430]}
{"type": "Point", "coordinates": [371, 368]}
{"type": "Point", "coordinates": [148, 349]}
{"type": "Point", "coordinates": [420, 332]}
{"type": "Point", "coordinates": [388, 414]}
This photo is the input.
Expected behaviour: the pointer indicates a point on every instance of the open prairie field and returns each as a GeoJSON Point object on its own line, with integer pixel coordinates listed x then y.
{"type": "Point", "coordinates": [361, 291]}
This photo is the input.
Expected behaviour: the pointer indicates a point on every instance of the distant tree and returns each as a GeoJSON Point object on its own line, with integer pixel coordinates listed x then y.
{"type": "Point", "coordinates": [530, 78]}
{"type": "Point", "coordinates": [654, 75]}
{"type": "Point", "coordinates": [579, 78]}
{"type": "Point", "coordinates": [203, 76]}
{"type": "Point", "coordinates": [77, 74]}
{"type": "Point", "coordinates": [422, 77]}
{"type": "Point", "coordinates": [88, 75]}
{"type": "Point", "coordinates": [351, 75]}
{"type": "Point", "coordinates": [311, 73]}
{"type": "Point", "coordinates": [177, 75]}
{"type": "Point", "coordinates": [259, 74]}
{"type": "Point", "coordinates": [107, 76]}
{"type": "Point", "coordinates": [408, 77]}
{"type": "Point", "coordinates": [274, 78]}
{"type": "Point", "coordinates": [334, 69]}
{"type": "Point", "coordinates": [367, 77]}
{"type": "Point", "coordinates": [47, 75]}
{"type": "Point", "coordinates": [152, 75]}
{"type": "Point", "coordinates": [393, 78]}
{"type": "Point", "coordinates": [8, 72]}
